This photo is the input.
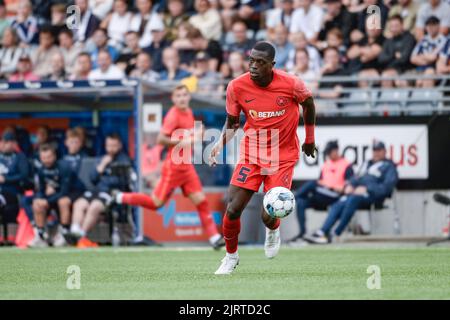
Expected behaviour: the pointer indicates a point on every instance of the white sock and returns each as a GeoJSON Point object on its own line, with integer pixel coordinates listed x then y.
{"type": "Point", "coordinates": [75, 228]}
{"type": "Point", "coordinates": [213, 239]}
{"type": "Point", "coordinates": [233, 255]}
{"type": "Point", "coordinates": [119, 197]}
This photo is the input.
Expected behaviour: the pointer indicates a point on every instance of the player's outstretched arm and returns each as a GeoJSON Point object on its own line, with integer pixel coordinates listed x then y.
{"type": "Point", "coordinates": [166, 141]}
{"type": "Point", "coordinates": [228, 132]}
{"type": "Point", "coordinates": [309, 116]}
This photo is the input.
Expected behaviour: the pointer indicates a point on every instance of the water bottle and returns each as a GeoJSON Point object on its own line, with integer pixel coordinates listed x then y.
{"type": "Point", "coordinates": [115, 238]}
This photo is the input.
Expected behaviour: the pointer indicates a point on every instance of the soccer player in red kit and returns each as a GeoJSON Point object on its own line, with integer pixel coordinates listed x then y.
{"type": "Point", "coordinates": [178, 135]}
{"type": "Point", "coordinates": [270, 100]}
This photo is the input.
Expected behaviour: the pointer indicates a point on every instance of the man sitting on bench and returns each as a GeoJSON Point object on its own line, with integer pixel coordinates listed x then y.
{"type": "Point", "coordinates": [335, 173]}
{"type": "Point", "coordinates": [374, 183]}
{"type": "Point", "coordinates": [13, 175]}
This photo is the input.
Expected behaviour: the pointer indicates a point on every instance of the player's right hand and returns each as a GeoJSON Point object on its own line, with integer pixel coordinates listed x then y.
{"type": "Point", "coordinates": [215, 151]}
{"type": "Point", "coordinates": [309, 149]}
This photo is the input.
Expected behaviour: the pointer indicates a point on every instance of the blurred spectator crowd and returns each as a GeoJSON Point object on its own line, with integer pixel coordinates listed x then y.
{"type": "Point", "coordinates": [62, 189]}
{"type": "Point", "coordinates": [205, 43]}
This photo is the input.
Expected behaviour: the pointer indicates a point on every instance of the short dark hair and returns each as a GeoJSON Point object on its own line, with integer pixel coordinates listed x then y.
{"type": "Point", "coordinates": [84, 53]}
{"type": "Point", "coordinates": [114, 136]}
{"type": "Point", "coordinates": [66, 31]}
{"type": "Point", "coordinates": [48, 146]}
{"type": "Point", "coordinates": [46, 29]}
{"type": "Point", "coordinates": [433, 20]}
{"type": "Point", "coordinates": [265, 47]}
{"type": "Point", "coordinates": [396, 17]}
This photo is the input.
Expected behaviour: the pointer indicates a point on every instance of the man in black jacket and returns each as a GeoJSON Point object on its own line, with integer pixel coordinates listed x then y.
{"type": "Point", "coordinates": [337, 16]}
{"type": "Point", "coordinates": [397, 50]}
{"type": "Point", "coordinates": [87, 209]}
{"type": "Point", "coordinates": [54, 179]}
{"type": "Point", "coordinates": [13, 175]}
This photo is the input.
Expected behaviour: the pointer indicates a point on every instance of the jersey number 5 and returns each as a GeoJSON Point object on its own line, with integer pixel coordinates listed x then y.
{"type": "Point", "coordinates": [243, 174]}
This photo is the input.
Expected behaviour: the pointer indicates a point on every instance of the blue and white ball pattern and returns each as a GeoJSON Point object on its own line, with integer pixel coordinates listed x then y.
{"type": "Point", "coordinates": [279, 202]}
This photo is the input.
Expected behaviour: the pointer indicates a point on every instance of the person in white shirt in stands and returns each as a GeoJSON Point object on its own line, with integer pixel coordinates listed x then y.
{"type": "Point", "coordinates": [100, 8]}
{"type": "Point", "coordinates": [118, 23]}
{"type": "Point", "coordinates": [281, 14]}
{"type": "Point", "coordinates": [299, 41]}
{"type": "Point", "coordinates": [9, 53]}
{"type": "Point", "coordinates": [308, 18]}
{"type": "Point", "coordinates": [207, 20]}
{"type": "Point", "coordinates": [106, 69]}
{"type": "Point", "coordinates": [144, 21]}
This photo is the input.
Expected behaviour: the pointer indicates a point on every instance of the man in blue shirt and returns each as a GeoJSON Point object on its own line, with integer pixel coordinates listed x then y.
{"type": "Point", "coordinates": [14, 172]}
{"type": "Point", "coordinates": [374, 182]}
{"type": "Point", "coordinates": [74, 156]}
{"type": "Point", "coordinates": [54, 179]}
{"type": "Point", "coordinates": [171, 62]}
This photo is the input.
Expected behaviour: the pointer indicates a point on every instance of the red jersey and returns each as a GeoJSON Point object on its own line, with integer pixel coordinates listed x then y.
{"type": "Point", "coordinates": [272, 116]}
{"type": "Point", "coordinates": [178, 124]}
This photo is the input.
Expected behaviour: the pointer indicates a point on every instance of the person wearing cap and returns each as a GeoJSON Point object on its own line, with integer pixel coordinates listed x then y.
{"type": "Point", "coordinates": [426, 51]}
{"type": "Point", "coordinates": [24, 70]}
{"type": "Point", "coordinates": [14, 172]}
{"type": "Point", "coordinates": [335, 173]}
{"type": "Point", "coordinates": [208, 81]}
{"type": "Point", "coordinates": [438, 8]}
{"type": "Point", "coordinates": [373, 183]}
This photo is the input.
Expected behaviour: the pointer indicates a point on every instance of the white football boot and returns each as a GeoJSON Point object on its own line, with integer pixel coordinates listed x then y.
{"type": "Point", "coordinates": [59, 240]}
{"type": "Point", "coordinates": [229, 263]}
{"type": "Point", "coordinates": [37, 241]}
{"type": "Point", "coordinates": [272, 243]}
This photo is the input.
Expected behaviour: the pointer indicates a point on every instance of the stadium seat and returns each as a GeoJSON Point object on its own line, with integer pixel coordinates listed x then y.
{"type": "Point", "coordinates": [361, 100]}
{"type": "Point", "coordinates": [389, 203]}
{"type": "Point", "coordinates": [390, 101]}
{"type": "Point", "coordinates": [423, 98]}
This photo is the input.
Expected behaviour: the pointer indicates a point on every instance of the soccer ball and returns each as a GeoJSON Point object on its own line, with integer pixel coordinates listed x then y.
{"type": "Point", "coordinates": [279, 202]}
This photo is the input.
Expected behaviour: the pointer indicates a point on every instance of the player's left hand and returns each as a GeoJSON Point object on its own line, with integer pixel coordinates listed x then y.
{"type": "Point", "coordinates": [309, 149]}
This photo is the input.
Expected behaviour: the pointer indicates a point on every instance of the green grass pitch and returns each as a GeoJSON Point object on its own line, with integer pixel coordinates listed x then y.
{"type": "Point", "coordinates": [163, 273]}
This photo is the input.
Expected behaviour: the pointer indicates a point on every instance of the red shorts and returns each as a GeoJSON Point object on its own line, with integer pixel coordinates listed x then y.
{"type": "Point", "coordinates": [250, 176]}
{"type": "Point", "coordinates": [187, 179]}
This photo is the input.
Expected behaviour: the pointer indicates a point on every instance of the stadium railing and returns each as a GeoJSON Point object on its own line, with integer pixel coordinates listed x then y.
{"type": "Point", "coordinates": [372, 99]}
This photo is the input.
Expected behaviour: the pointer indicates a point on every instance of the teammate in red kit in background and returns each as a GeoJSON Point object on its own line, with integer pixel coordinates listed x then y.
{"type": "Point", "coordinates": [178, 135]}
{"type": "Point", "coordinates": [269, 150]}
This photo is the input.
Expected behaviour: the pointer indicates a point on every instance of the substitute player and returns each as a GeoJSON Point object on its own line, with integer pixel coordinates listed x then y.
{"type": "Point", "coordinates": [177, 170]}
{"type": "Point", "coordinates": [269, 150]}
